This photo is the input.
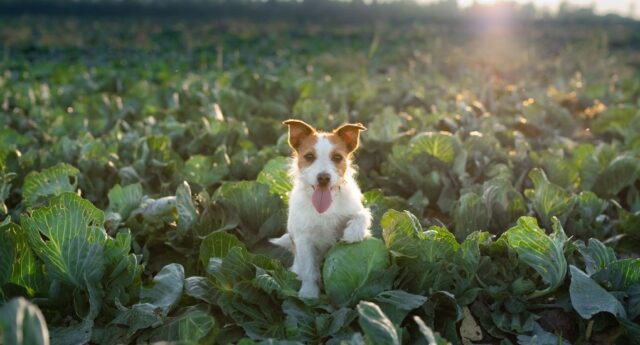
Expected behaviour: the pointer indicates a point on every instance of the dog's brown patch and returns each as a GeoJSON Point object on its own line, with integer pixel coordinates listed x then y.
{"type": "Point", "coordinates": [298, 132]}
{"type": "Point", "coordinates": [339, 148]}
{"type": "Point", "coordinates": [306, 146]}
{"type": "Point", "coordinates": [350, 134]}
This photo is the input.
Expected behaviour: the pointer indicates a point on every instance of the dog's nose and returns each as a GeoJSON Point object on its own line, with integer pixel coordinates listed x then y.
{"type": "Point", "coordinates": [323, 179]}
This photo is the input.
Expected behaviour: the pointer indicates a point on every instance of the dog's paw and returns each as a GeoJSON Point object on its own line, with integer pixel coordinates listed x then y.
{"type": "Point", "coordinates": [309, 290]}
{"type": "Point", "coordinates": [354, 233]}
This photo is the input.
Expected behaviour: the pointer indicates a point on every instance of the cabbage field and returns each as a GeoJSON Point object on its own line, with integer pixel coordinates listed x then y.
{"type": "Point", "coordinates": [143, 168]}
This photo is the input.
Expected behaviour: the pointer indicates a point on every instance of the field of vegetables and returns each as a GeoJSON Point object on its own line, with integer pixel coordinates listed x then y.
{"type": "Point", "coordinates": [143, 167]}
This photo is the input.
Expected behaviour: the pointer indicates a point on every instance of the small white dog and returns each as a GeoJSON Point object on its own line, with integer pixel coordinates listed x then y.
{"type": "Point", "coordinates": [325, 204]}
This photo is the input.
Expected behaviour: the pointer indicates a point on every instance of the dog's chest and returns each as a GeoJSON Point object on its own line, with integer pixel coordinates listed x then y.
{"type": "Point", "coordinates": [327, 227]}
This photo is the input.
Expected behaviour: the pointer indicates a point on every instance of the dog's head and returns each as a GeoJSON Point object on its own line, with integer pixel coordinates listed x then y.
{"type": "Point", "coordinates": [322, 159]}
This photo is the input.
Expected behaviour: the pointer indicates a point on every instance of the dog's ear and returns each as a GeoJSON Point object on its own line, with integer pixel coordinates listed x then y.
{"type": "Point", "coordinates": [350, 134]}
{"type": "Point", "coordinates": [298, 130]}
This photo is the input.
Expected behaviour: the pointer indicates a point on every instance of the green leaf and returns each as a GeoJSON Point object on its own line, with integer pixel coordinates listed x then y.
{"type": "Point", "coordinates": [155, 302]}
{"type": "Point", "coordinates": [399, 229]}
{"type": "Point", "coordinates": [79, 333]}
{"type": "Point", "coordinates": [385, 126]}
{"type": "Point", "coordinates": [621, 172]}
{"type": "Point", "coordinates": [166, 290]}
{"type": "Point", "coordinates": [401, 299]}
{"type": "Point", "coordinates": [596, 256]}
{"type": "Point", "coordinates": [261, 213]}
{"type": "Point", "coordinates": [38, 186]}
{"type": "Point", "coordinates": [549, 200]}
{"type": "Point", "coordinates": [439, 145]}
{"type": "Point", "coordinates": [470, 214]}
{"type": "Point", "coordinates": [139, 316]}
{"type": "Point", "coordinates": [22, 323]}
{"type": "Point", "coordinates": [633, 305]}
{"type": "Point", "coordinates": [124, 200]}
{"type": "Point", "coordinates": [377, 328]}
{"type": "Point", "coordinates": [619, 275]}
{"type": "Point", "coordinates": [346, 283]}
{"type": "Point", "coordinates": [427, 333]}
{"type": "Point", "coordinates": [6, 252]}
{"type": "Point", "coordinates": [200, 288]}
{"type": "Point", "coordinates": [588, 298]}
{"type": "Point", "coordinates": [189, 327]}
{"type": "Point", "coordinates": [206, 171]}
{"type": "Point", "coordinates": [26, 270]}
{"type": "Point", "coordinates": [396, 304]}
{"type": "Point", "coordinates": [506, 204]}
{"type": "Point", "coordinates": [9, 137]}
{"type": "Point", "coordinates": [185, 207]}
{"type": "Point", "coordinates": [68, 236]}
{"type": "Point", "coordinates": [215, 217]}
{"type": "Point", "coordinates": [541, 337]}
{"type": "Point", "coordinates": [217, 245]}
{"type": "Point", "coordinates": [241, 291]}
{"type": "Point", "coordinates": [541, 252]}
{"type": "Point", "coordinates": [379, 204]}
{"type": "Point", "coordinates": [275, 174]}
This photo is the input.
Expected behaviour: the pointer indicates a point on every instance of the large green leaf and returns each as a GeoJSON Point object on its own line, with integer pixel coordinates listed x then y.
{"type": "Point", "coordinates": [541, 337]}
{"type": "Point", "coordinates": [377, 328]}
{"type": "Point", "coordinates": [189, 327]}
{"type": "Point", "coordinates": [185, 207]}
{"type": "Point", "coordinates": [619, 275]}
{"type": "Point", "coordinates": [506, 204]}
{"type": "Point", "coordinates": [439, 145]}
{"type": "Point", "coordinates": [399, 229]}
{"type": "Point", "coordinates": [124, 200]}
{"type": "Point", "coordinates": [22, 323]}
{"type": "Point", "coordinates": [245, 286]}
{"type": "Point", "coordinates": [201, 288]}
{"type": "Point", "coordinates": [427, 333]}
{"type": "Point", "coordinates": [396, 304]}
{"type": "Point", "coordinates": [155, 302]}
{"type": "Point", "coordinates": [379, 204]}
{"type": "Point", "coordinates": [276, 175]}
{"type": "Point", "coordinates": [422, 256]}
{"type": "Point", "coordinates": [470, 214]}
{"type": "Point", "coordinates": [261, 213]}
{"type": "Point", "coordinates": [206, 171]}
{"type": "Point", "coordinates": [588, 298]}
{"type": "Point", "coordinates": [542, 252]}
{"type": "Point", "coordinates": [26, 270]}
{"type": "Point", "coordinates": [346, 283]}
{"type": "Point", "coordinates": [633, 306]}
{"type": "Point", "coordinates": [68, 236]}
{"type": "Point", "coordinates": [596, 256]}
{"type": "Point", "coordinates": [621, 172]}
{"type": "Point", "coordinates": [38, 186]}
{"type": "Point", "coordinates": [166, 290]}
{"type": "Point", "coordinates": [310, 323]}
{"type": "Point", "coordinates": [549, 200]}
{"type": "Point", "coordinates": [217, 245]}
{"type": "Point", "coordinates": [6, 252]}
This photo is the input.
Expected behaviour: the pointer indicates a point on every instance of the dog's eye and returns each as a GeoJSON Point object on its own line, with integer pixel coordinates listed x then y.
{"type": "Point", "coordinates": [309, 157]}
{"type": "Point", "coordinates": [336, 158]}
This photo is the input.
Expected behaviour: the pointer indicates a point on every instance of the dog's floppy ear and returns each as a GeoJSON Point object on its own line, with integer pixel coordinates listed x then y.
{"type": "Point", "coordinates": [298, 130]}
{"type": "Point", "coordinates": [350, 134]}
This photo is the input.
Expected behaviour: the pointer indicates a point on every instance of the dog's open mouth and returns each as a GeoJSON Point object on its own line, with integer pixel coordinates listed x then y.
{"type": "Point", "coordinates": [321, 198]}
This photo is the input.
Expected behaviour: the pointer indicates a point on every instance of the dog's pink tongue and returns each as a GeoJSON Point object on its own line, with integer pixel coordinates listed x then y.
{"type": "Point", "coordinates": [321, 199]}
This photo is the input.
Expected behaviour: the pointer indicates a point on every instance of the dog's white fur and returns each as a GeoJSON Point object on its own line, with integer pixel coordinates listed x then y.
{"type": "Point", "coordinates": [309, 233]}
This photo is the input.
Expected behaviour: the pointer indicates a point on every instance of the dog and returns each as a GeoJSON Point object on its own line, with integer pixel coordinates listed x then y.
{"type": "Point", "coordinates": [325, 204]}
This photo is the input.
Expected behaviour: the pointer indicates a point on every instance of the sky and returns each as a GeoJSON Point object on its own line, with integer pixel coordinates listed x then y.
{"type": "Point", "coordinates": [620, 7]}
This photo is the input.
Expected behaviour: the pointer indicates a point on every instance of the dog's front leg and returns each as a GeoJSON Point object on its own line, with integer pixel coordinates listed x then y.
{"type": "Point", "coordinates": [358, 227]}
{"type": "Point", "coordinates": [306, 266]}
